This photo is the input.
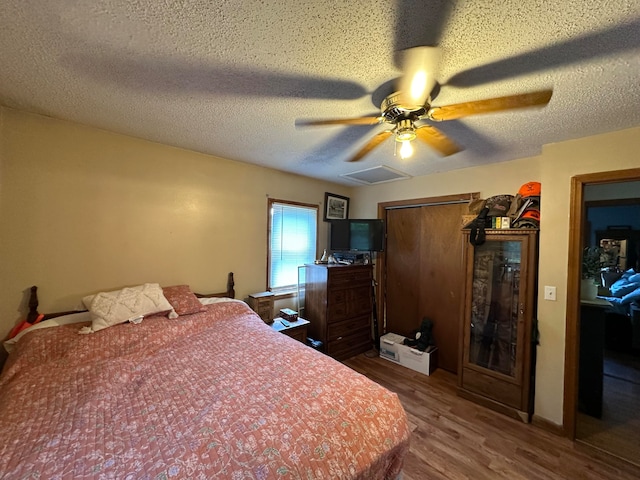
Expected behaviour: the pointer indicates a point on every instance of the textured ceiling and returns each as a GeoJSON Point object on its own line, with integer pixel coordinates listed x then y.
{"type": "Point", "coordinates": [230, 78]}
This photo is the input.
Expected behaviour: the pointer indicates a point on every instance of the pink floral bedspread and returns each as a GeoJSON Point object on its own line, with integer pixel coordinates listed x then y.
{"type": "Point", "coordinates": [212, 395]}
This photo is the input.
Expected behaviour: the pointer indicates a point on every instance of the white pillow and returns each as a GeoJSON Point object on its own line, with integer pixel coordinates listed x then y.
{"type": "Point", "coordinates": [119, 306]}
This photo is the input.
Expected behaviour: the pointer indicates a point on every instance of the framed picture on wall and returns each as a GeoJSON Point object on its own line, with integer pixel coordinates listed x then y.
{"type": "Point", "coordinates": [336, 207]}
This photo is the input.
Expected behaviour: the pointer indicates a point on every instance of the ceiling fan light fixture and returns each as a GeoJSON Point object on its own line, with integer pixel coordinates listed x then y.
{"type": "Point", "coordinates": [405, 131]}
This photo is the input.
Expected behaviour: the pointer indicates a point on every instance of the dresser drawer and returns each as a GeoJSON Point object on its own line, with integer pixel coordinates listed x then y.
{"type": "Point", "coordinates": [349, 346]}
{"type": "Point", "coordinates": [347, 303]}
{"type": "Point", "coordinates": [265, 312]}
{"type": "Point", "coordinates": [348, 327]}
{"type": "Point", "coordinates": [348, 278]}
{"type": "Point", "coordinates": [359, 301]}
{"type": "Point", "coordinates": [337, 312]}
{"type": "Point", "coordinates": [299, 334]}
{"type": "Point", "coordinates": [337, 296]}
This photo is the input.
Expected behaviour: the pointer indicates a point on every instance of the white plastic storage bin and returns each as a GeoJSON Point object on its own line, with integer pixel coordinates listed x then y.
{"type": "Point", "coordinates": [389, 346]}
{"type": "Point", "coordinates": [393, 349]}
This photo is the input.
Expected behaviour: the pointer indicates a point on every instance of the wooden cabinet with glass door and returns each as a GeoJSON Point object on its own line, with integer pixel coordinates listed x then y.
{"type": "Point", "coordinates": [497, 355]}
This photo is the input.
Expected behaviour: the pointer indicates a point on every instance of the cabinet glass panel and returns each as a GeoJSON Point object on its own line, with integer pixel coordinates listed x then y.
{"type": "Point", "coordinates": [494, 308]}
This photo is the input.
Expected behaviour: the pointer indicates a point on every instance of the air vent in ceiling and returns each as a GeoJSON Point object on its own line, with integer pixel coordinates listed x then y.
{"type": "Point", "coordinates": [372, 176]}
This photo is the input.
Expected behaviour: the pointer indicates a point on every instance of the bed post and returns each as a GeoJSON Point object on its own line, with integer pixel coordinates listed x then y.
{"type": "Point", "coordinates": [33, 305]}
{"type": "Point", "coordinates": [230, 286]}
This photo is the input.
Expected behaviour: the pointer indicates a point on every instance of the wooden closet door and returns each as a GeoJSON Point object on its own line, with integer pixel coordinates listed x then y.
{"type": "Point", "coordinates": [442, 277]}
{"type": "Point", "coordinates": [425, 276]}
{"type": "Point", "coordinates": [402, 270]}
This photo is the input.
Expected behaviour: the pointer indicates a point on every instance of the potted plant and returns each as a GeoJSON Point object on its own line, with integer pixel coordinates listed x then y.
{"type": "Point", "coordinates": [591, 267]}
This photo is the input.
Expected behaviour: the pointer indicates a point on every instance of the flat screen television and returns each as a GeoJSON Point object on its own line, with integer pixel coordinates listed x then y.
{"type": "Point", "coordinates": [364, 235]}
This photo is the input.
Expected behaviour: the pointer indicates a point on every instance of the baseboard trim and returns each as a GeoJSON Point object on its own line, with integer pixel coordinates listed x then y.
{"type": "Point", "coordinates": [549, 426]}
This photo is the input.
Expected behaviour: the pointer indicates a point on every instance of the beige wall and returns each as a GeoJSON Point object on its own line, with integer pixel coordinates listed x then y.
{"type": "Point", "coordinates": [554, 168]}
{"type": "Point", "coordinates": [83, 210]}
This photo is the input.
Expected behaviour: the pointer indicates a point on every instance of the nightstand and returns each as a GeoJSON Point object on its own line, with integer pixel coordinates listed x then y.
{"type": "Point", "coordinates": [296, 330]}
{"type": "Point", "coordinates": [262, 304]}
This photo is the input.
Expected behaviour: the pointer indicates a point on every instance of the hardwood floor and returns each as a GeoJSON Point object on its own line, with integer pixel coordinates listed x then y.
{"type": "Point", "coordinates": [454, 438]}
{"type": "Point", "coordinates": [618, 429]}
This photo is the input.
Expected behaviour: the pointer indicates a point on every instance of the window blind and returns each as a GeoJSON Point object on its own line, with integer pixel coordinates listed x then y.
{"type": "Point", "coordinates": [292, 243]}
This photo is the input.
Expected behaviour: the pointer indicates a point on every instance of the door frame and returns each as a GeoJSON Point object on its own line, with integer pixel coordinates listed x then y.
{"type": "Point", "coordinates": [577, 221]}
{"type": "Point", "coordinates": [381, 263]}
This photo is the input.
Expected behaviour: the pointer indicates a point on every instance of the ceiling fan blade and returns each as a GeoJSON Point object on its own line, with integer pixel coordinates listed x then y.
{"type": "Point", "coordinates": [615, 40]}
{"type": "Point", "coordinates": [341, 121]}
{"type": "Point", "coordinates": [459, 110]}
{"type": "Point", "coordinates": [420, 68]}
{"type": "Point", "coordinates": [437, 140]}
{"type": "Point", "coordinates": [373, 143]}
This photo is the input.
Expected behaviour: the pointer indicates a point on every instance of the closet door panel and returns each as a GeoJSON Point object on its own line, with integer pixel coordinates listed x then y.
{"type": "Point", "coordinates": [442, 278]}
{"type": "Point", "coordinates": [403, 270]}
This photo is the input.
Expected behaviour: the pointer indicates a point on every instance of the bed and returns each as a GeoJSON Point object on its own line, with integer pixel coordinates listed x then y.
{"type": "Point", "coordinates": [212, 394]}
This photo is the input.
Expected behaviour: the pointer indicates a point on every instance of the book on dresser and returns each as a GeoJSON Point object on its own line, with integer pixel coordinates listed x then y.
{"type": "Point", "coordinates": [339, 307]}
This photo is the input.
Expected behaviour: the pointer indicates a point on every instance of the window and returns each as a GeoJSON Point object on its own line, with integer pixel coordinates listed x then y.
{"type": "Point", "coordinates": [292, 241]}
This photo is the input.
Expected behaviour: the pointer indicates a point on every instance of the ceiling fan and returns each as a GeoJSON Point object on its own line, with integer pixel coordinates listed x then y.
{"type": "Point", "coordinates": [404, 109]}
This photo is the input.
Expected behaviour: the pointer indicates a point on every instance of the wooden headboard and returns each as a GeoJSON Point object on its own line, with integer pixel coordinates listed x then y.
{"type": "Point", "coordinates": [230, 293]}
{"type": "Point", "coordinates": [33, 308]}
{"type": "Point", "coordinates": [33, 301]}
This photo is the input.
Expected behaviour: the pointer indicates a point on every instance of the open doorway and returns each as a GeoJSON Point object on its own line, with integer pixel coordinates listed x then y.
{"type": "Point", "coordinates": [602, 376]}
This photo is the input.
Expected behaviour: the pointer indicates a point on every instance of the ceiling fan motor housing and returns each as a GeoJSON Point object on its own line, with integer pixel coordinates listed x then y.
{"type": "Point", "coordinates": [402, 116]}
{"type": "Point", "coordinates": [393, 111]}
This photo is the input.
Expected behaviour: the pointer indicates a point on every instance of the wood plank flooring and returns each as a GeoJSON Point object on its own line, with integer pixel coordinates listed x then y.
{"type": "Point", "coordinates": [618, 430]}
{"type": "Point", "coordinates": [454, 438]}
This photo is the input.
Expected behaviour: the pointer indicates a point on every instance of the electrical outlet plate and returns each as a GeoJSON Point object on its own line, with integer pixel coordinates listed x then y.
{"type": "Point", "coordinates": [550, 293]}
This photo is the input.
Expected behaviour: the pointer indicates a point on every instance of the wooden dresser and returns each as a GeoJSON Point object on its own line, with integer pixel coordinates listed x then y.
{"type": "Point", "coordinates": [338, 305]}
